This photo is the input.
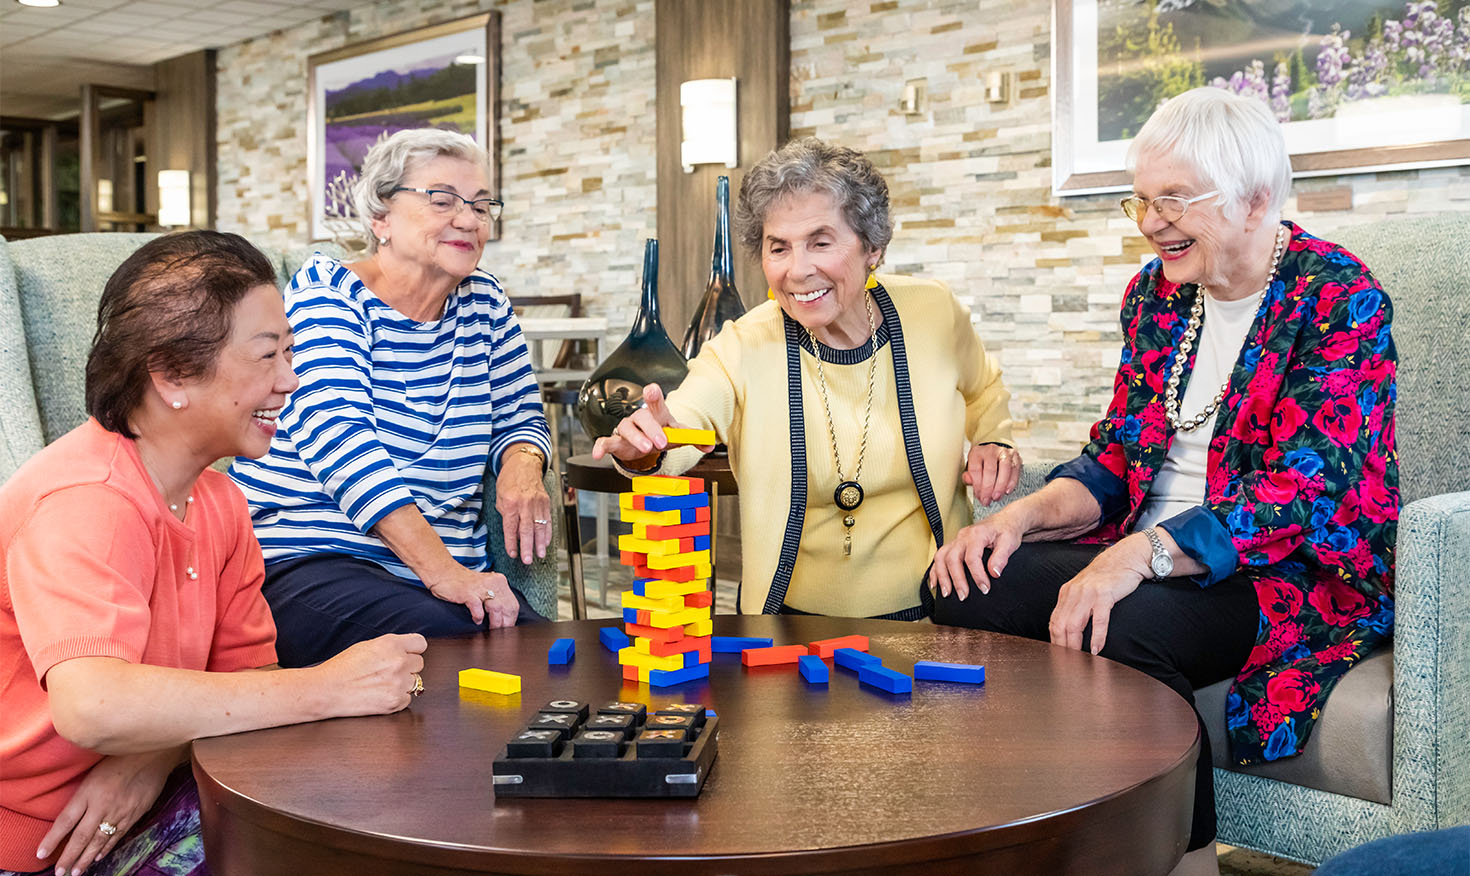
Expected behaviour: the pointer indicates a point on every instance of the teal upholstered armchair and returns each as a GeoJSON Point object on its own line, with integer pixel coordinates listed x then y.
{"type": "Point", "coordinates": [1390, 754]}
{"type": "Point", "coordinates": [49, 288]}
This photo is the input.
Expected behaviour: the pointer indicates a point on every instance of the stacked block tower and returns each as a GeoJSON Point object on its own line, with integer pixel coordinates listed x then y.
{"type": "Point", "coordinates": [667, 613]}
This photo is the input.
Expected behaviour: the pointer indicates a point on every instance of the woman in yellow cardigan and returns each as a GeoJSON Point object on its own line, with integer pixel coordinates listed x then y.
{"type": "Point", "coordinates": [846, 402]}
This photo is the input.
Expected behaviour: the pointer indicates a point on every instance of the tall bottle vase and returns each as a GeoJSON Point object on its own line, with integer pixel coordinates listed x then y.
{"type": "Point", "coordinates": [721, 301]}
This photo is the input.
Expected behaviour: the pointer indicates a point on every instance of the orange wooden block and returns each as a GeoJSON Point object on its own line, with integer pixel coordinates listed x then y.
{"type": "Point", "coordinates": [678, 646]}
{"type": "Point", "coordinates": [630, 558]}
{"type": "Point", "coordinates": [654, 634]}
{"type": "Point", "coordinates": [702, 599]}
{"type": "Point", "coordinates": [825, 647]}
{"type": "Point", "coordinates": [680, 530]}
{"type": "Point", "coordinates": [772, 656]}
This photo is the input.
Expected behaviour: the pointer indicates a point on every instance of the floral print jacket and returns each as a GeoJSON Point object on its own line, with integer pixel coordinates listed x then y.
{"type": "Point", "coordinates": [1302, 476]}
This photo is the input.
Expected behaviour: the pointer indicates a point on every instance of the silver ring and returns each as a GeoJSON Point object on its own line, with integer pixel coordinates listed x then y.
{"type": "Point", "coordinates": [107, 828]}
{"type": "Point", "coordinates": [541, 522]}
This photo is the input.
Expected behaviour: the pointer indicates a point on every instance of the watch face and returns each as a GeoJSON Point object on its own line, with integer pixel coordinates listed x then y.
{"type": "Point", "coordinates": [1162, 566]}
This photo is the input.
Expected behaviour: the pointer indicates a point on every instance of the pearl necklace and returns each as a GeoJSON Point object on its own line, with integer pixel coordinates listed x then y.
{"type": "Point", "coordinates": [1186, 344]}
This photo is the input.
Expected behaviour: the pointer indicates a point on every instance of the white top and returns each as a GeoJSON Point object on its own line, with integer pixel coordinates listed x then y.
{"type": "Point", "coordinates": [1180, 484]}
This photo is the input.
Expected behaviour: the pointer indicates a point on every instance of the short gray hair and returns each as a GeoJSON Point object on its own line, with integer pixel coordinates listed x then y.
{"type": "Point", "coordinates": [1234, 143]}
{"type": "Point", "coordinates": [810, 165]}
{"type": "Point", "coordinates": [393, 159]}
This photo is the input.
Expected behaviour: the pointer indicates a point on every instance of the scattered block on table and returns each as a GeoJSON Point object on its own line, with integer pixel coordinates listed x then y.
{"type": "Point", "coordinates": [849, 658]}
{"type": "Point", "coordinates": [702, 627]}
{"type": "Point", "coordinates": [812, 669]}
{"type": "Point", "coordinates": [655, 588]}
{"type": "Point", "coordinates": [665, 678]}
{"type": "Point", "coordinates": [667, 485]}
{"type": "Point", "coordinates": [571, 707]}
{"type": "Point", "coordinates": [597, 743]}
{"type": "Point", "coordinates": [880, 676]}
{"type": "Point", "coordinates": [487, 680]}
{"type": "Point", "coordinates": [964, 673]}
{"type": "Point", "coordinates": [736, 644]}
{"type": "Point", "coordinates": [613, 639]}
{"type": "Point", "coordinates": [562, 652]}
{"type": "Point", "coordinates": [690, 436]}
{"type": "Point", "coordinates": [824, 647]}
{"type": "Point", "coordinates": [772, 656]}
{"type": "Point", "coordinates": [657, 531]}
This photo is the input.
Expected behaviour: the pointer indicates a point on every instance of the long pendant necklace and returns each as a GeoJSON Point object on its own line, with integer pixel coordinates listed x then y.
{"type": "Point", "coordinates": [849, 493]}
{"type": "Point", "coordinates": [1186, 343]}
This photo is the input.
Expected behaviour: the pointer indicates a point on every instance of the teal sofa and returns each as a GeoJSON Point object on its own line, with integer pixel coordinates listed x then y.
{"type": "Point", "coordinates": [49, 288]}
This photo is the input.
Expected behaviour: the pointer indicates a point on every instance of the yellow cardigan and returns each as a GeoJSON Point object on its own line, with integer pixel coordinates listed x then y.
{"type": "Point", "coordinates": [738, 386]}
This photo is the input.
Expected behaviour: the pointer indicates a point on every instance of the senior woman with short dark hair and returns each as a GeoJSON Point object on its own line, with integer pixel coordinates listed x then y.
{"type": "Point", "coordinates": [414, 377]}
{"type": "Point", "coordinates": [1234, 512]}
{"type": "Point", "coordinates": [846, 402]}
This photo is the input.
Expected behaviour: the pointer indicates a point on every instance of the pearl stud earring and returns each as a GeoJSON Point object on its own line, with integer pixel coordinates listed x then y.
{"type": "Point", "coordinates": [178, 405]}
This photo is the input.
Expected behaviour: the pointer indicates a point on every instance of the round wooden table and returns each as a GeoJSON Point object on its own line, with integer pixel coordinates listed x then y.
{"type": "Point", "coordinates": [1061, 763]}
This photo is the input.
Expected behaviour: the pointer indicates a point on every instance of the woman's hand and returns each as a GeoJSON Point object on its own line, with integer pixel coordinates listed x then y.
{"type": "Point", "coordinates": [1091, 595]}
{"type": "Point", "coordinates": [992, 471]}
{"type": "Point", "coordinates": [118, 790]}
{"type": "Point", "coordinates": [999, 533]}
{"type": "Point", "coordinates": [525, 509]}
{"type": "Point", "coordinates": [485, 594]}
{"type": "Point", "coordinates": [639, 437]}
{"type": "Point", "coordinates": [375, 677]}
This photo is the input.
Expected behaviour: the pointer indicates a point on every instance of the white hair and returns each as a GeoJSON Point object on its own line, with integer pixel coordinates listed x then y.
{"type": "Point", "coordinates": [1233, 142]}
{"type": "Point", "coordinates": [393, 159]}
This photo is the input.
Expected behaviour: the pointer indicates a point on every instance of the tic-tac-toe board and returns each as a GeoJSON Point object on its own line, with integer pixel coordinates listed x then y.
{"type": "Point", "coordinates": [620, 750]}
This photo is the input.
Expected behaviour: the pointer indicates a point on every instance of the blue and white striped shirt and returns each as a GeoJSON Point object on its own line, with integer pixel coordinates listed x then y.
{"type": "Point", "coordinates": [390, 412]}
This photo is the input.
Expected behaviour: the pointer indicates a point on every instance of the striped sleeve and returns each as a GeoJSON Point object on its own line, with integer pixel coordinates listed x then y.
{"type": "Point", "coordinates": [516, 414]}
{"type": "Point", "coordinates": [330, 416]}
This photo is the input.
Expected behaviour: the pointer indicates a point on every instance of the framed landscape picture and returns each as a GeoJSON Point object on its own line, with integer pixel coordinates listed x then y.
{"type": "Point", "coordinates": [444, 76]}
{"type": "Point", "coordinates": [1359, 85]}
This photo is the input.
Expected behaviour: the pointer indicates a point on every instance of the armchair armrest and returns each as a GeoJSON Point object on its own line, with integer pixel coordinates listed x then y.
{"type": "Point", "coordinates": [537, 581]}
{"type": "Point", "coordinates": [1033, 478]}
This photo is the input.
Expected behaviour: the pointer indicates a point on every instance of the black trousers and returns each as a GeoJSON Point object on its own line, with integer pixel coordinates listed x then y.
{"type": "Point", "coordinates": [325, 604]}
{"type": "Point", "coordinates": [1175, 631]}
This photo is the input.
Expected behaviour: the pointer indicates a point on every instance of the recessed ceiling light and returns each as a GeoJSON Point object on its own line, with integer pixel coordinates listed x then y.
{"type": "Point", "coordinates": [42, 3]}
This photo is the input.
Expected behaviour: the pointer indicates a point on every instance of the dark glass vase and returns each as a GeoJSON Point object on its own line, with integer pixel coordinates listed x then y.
{"type": "Point", "coordinates": [721, 302]}
{"type": "Point", "coordinates": [646, 356]}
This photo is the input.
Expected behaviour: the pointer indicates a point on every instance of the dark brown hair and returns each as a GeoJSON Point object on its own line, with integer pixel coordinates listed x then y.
{"type": "Point", "coordinates": [168, 308]}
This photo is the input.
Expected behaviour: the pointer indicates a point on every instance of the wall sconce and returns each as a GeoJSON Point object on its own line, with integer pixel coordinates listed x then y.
{"type": "Point", "coordinates": [915, 100]}
{"type": "Point", "coordinates": [104, 196]}
{"type": "Point", "coordinates": [173, 198]}
{"type": "Point", "coordinates": [998, 87]}
{"type": "Point", "coordinates": [709, 123]}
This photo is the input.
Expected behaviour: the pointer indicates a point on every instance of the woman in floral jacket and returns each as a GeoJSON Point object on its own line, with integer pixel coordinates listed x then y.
{"type": "Point", "coordinates": [1235, 509]}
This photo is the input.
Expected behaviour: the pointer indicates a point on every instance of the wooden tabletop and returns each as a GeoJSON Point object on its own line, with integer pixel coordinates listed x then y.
{"type": "Point", "coordinates": [1061, 763]}
{"type": "Point", "coordinates": [599, 476]}
{"type": "Point", "coordinates": [537, 328]}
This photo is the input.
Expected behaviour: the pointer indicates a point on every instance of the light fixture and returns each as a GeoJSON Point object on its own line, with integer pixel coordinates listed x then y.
{"type": "Point", "coordinates": [709, 123]}
{"type": "Point", "coordinates": [43, 4]}
{"type": "Point", "coordinates": [104, 196]}
{"type": "Point", "coordinates": [469, 59]}
{"type": "Point", "coordinates": [173, 198]}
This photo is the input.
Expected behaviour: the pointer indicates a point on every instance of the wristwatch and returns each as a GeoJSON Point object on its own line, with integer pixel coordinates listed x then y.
{"type": "Point", "coordinates": [1160, 563]}
{"type": "Point", "coordinates": [534, 451]}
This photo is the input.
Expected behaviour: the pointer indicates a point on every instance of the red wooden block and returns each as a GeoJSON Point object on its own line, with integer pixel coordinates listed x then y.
{"type": "Point", "coordinates": [825, 647]}
{"type": "Point", "coordinates": [680, 530]}
{"type": "Point", "coordinates": [772, 656]}
{"type": "Point", "coordinates": [636, 500]}
{"type": "Point", "coordinates": [654, 634]}
{"type": "Point", "coordinates": [682, 573]}
{"type": "Point", "coordinates": [701, 515]}
{"type": "Point", "coordinates": [630, 673]}
{"type": "Point", "coordinates": [630, 558]}
{"type": "Point", "coordinates": [679, 646]}
{"type": "Point", "coordinates": [644, 616]}
{"type": "Point", "coordinates": [702, 599]}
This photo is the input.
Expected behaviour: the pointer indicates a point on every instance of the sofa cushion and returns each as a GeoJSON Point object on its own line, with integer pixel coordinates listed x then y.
{"type": "Point", "coordinates": [1350, 751]}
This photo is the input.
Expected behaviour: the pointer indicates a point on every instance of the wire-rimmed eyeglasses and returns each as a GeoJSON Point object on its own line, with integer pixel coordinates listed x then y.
{"type": "Point", "coordinates": [1169, 207]}
{"type": "Point", "coordinates": [487, 210]}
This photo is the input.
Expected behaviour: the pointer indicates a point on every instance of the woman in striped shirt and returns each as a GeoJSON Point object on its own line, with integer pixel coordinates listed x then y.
{"type": "Point", "coordinates": [413, 375]}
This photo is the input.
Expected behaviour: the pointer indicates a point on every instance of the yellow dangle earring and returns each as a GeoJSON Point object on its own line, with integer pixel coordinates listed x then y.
{"type": "Point", "coordinates": [872, 277]}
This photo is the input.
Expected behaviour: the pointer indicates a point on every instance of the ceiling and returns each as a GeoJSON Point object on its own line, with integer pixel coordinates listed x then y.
{"type": "Point", "coordinates": [47, 54]}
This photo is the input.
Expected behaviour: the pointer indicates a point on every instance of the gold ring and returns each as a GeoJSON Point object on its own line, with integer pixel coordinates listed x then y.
{"type": "Point", "coordinates": [489, 594]}
{"type": "Point", "coordinates": [107, 828]}
{"type": "Point", "coordinates": [418, 684]}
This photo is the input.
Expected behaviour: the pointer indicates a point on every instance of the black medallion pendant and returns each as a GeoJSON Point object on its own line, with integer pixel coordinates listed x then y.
{"type": "Point", "coordinates": [848, 495]}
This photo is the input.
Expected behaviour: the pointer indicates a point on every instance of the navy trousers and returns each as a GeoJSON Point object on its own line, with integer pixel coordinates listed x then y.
{"type": "Point", "coordinates": [325, 604]}
{"type": "Point", "coordinates": [1182, 634]}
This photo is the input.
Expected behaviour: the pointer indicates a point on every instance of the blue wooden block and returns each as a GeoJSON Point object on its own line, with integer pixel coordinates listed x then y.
{"type": "Point", "coordinates": [562, 652]}
{"type": "Point", "coordinates": [965, 673]}
{"type": "Point", "coordinates": [630, 615]}
{"type": "Point", "coordinates": [701, 542]}
{"type": "Point", "coordinates": [736, 644]}
{"type": "Point", "coordinates": [851, 658]}
{"type": "Point", "coordinates": [668, 677]}
{"type": "Point", "coordinates": [812, 669]}
{"type": "Point", "coordinates": [690, 658]}
{"type": "Point", "coordinates": [614, 639]}
{"type": "Point", "coordinates": [676, 503]}
{"type": "Point", "coordinates": [880, 676]}
{"type": "Point", "coordinates": [689, 515]}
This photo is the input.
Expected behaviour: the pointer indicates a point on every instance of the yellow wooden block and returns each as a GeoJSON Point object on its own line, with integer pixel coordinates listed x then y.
{"type": "Point", "coordinates": [700, 628]}
{"type": "Point", "coordinates": [675, 561]}
{"type": "Point", "coordinates": [656, 589]}
{"type": "Point", "coordinates": [668, 603]}
{"type": "Point", "coordinates": [633, 657]}
{"type": "Point", "coordinates": [662, 518]}
{"type": "Point", "coordinates": [658, 485]}
{"type": "Point", "coordinates": [644, 546]}
{"type": "Point", "coordinates": [665, 619]}
{"type": "Point", "coordinates": [494, 682]}
{"type": "Point", "coordinates": [689, 436]}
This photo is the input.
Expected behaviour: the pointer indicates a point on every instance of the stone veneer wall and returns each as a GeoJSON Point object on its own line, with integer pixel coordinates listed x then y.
{"type": "Point", "coordinates": [970, 183]}
{"type": "Point", "coordinates": [576, 126]}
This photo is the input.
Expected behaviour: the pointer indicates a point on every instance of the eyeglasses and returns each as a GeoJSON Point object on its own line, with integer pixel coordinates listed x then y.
{"type": "Point", "coordinates": [1169, 207]}
{"type": "Point", "coordinates": [487, 210]}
